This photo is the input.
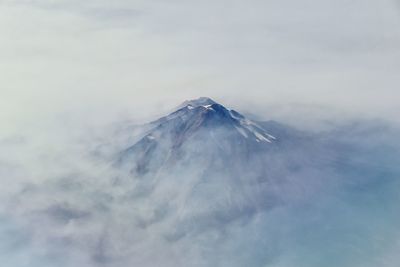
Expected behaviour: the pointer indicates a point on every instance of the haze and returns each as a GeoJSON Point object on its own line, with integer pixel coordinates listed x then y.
{"type": "Point", "coordinates": [98, 60]}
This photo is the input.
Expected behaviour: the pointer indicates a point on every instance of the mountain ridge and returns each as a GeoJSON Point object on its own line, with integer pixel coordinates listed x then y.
{"type": "Point", "coordinates": [198, 123]}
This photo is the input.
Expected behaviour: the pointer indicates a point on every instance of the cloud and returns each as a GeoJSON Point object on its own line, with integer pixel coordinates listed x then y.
{"type": "Point", "coordinates": [69, 66]}
{"type": "Point", "coordinates": [336, 198]}
{"type": "Point", "coordinates": [140, 58]}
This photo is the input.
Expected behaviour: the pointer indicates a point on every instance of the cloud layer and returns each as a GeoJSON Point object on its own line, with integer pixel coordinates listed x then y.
{"type": "Point", "coordinates": [69, 66]}
{"type": "Point", "coordinates": [139, 57]}
{"type": "Point", "coordinates": [333, 196]}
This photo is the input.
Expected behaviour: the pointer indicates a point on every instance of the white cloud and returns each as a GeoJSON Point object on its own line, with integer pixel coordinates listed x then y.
{"type": "Point", "coordinates": [66, 65]}
{"type": "Point", "coordinates": [140, 57]}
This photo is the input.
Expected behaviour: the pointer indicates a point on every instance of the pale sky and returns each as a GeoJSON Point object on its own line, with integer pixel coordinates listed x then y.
{"type": "Point", "coordinates": [98, 59]}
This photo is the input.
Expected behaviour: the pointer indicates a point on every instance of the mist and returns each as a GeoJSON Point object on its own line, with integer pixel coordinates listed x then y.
{"type": "Point", "coordinates": [329, 199]}
{"type": "Point", "coordinates": [135, 58]}
{"type": "Point", "coordinates": [80, 81]}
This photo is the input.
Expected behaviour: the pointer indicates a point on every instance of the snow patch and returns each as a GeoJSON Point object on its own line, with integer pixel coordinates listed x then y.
{"type": "Point", "coordinates": [150, 137]}
{"type": "Point", "coordinates": [259, 132]}
{"type": "Point", "coordinates": [261, 137]}
{"type": "Point", "coordinates": [242, 131]}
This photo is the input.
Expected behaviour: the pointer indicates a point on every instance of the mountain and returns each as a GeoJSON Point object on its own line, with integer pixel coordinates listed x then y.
{"type": "Point", "coordinates": [205, 161]}
{"type": "Point", "coordinates": [198, 127]}
{"type": "Point", "coordinates": [205, 164]}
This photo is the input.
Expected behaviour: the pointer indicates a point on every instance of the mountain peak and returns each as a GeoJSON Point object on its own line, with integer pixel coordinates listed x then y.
{"type": "Point", "coordinates": [201, 101]}
{"type": "Point", "coordinates": [204, 112]}
{"type": "Point", "coordinates": [201, 125]}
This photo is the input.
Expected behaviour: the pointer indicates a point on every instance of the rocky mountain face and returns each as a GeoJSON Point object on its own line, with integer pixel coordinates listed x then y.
{"type": "Point", "coordinates": [205, 159]}
{"type": "Point", "coordinates": [199, 128]}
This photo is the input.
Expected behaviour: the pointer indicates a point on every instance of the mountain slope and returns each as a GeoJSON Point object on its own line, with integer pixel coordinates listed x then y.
{"type": "Point", "coordinates": [198, 127]}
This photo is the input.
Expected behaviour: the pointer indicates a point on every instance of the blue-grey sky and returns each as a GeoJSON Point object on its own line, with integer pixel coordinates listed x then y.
{"type": "Point", "coordinates": [106, 58]}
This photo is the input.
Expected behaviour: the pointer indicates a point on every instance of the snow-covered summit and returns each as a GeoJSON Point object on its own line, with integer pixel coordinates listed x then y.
{"type": "Point", "coordinates": [201, 101]}
{"type": "Point", "coordinates": [203, 127]}
{"type": "Point", "coordinates": [208, 113]}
